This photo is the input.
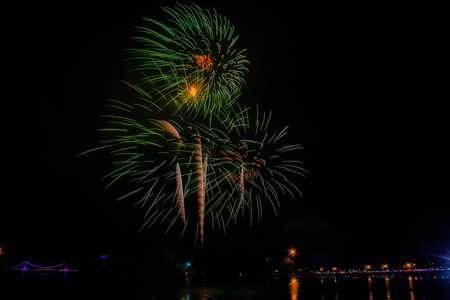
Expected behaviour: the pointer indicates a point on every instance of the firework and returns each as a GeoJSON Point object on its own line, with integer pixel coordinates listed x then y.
{"type": "Point", "coordinates": [146, 162]}
{"type": "Point", "coordinates": [191, 63]}
{"type": "Point", "coordinates": [253, 164]}
{"type": "Point", "coordinates": [161, 164]}
{"type": "Point", "coordinates": [176, 150]}
{"type": "Point", "coordinates": [220, 167]}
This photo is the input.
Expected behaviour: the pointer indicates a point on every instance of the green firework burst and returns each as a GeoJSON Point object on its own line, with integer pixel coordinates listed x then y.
{"type": "Point", "coordinates": [190, 63]}
{"type": "Point", "coordinates": [253, 165]}
{"type": "Point", "coordinates": [176, 150]}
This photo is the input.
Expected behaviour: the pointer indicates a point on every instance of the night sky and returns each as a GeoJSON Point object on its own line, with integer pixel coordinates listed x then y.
{"type": "Point", "coordinates": [362, 89]}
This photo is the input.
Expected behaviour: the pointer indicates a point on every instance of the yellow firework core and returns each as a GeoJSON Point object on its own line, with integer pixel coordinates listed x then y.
{"type": "Point", "coordinates": [192, 91]}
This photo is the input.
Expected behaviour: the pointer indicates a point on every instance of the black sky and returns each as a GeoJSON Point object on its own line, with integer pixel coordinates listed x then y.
{"type": "Point", "coordinates": [362, 89]}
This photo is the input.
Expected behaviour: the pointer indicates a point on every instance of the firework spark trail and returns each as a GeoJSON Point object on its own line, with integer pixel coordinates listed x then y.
{"type": "Point", "coordinates": [180, 196]}
{"type": "Point", "coordinates": [241, 189]}
{"type": "Point", "coordinates": [202, 207]}
{"type": "Point", "coordinates": [173, 133]}
{"type": "Point", "coordinates": [199, 170]}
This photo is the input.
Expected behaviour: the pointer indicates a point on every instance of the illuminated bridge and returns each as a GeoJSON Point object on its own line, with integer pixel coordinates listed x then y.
{"type": "Point", "coordinates": [29, 267]}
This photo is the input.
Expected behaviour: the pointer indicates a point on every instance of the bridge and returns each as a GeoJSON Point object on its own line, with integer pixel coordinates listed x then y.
{"type": "Point", "coordinates": [29, 267]}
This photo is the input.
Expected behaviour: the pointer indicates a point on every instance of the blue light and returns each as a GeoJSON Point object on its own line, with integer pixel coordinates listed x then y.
{"type": "Point", "coordinates": [104, 255]}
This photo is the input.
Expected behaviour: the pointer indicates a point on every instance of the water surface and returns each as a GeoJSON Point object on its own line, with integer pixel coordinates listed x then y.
{"type": "Point", "coordinates": [79, 287]}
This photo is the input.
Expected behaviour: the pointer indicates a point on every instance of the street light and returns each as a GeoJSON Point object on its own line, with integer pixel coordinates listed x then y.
{"type": "Point", "coordinates": [292, 252]}
{"type": "Point", "coordinates": [187, 265]}
{"type": "Point", "coordinates": [408, 265]}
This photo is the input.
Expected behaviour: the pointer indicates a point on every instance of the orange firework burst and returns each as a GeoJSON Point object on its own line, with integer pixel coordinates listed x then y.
{"type": "Point", "coordinates": [193, 92]}
{"type": "Point", "coordinates": [250, 167]}
{"type": "Point", "coordinates": [254, 162]}
{"type": "Point", "coordinates": [205, 62]}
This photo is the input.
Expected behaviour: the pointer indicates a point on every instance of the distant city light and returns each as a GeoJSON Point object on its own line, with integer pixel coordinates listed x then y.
{"type": "Point", "coordinates": [292, 252]}
{"type": "Point", "coordinates": [408, 265]}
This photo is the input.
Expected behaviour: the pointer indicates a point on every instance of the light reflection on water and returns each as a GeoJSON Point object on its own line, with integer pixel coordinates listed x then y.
{"type": "Point", "coordinates": [411, 288]}
{"type": "Point", "coordinates": [407, 288]}
{"type": "Point", "coordinates": [388, 289]}
{"type": "Point", "coordinates": [370, 288]}
{"type": "Point", "coordinates": [294, 288]}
